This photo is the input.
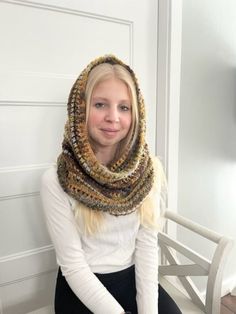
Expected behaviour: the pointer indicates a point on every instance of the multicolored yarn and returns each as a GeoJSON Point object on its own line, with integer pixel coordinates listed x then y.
{"type": "Point", "coordinates": [118, 189]}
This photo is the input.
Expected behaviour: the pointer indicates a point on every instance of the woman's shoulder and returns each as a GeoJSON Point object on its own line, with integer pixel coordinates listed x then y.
{"type": "Point", "coordinates": [50, 176]}
{"type": "Point", "coordinates": [159, 174]}
{"type": "Point", "coordinates": [50, 185]}
{"type": "Point", "coordinates": [50, 182]}
{"type": "Point", "coordinates": [157, 164]}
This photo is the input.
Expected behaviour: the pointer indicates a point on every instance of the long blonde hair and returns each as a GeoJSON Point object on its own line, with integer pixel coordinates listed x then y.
{"type": "Point", "coordinates": [90, 220]}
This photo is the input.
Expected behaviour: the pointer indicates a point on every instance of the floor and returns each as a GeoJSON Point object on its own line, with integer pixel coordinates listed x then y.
{"type": "Point", "coordinates": [228, 304]}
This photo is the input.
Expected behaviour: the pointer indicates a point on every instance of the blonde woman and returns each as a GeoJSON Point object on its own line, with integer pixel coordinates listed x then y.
{"type": "Point", "coordinates": [101, 201]}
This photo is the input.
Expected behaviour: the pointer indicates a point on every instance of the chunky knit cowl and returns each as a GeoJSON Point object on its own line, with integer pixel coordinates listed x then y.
{"type": "Point", "coordinates": [119, 188]}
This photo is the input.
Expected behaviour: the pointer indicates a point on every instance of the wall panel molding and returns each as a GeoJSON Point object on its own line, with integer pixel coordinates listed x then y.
{"type": "Point", "coordinates": [25, 167]}
{"type": "Point", "coordinates": [26, 265]}
{"type": "Point", "coordinates": [67, 10]}
{"type": "Point", "coordinates": [90, 15]}
{"type": "Point", "coordinates": [44, 81]}
{"type": "Point", "coordinates": [27, 281]}
{"type": "Point", "coordinates": [22, 195]}
{"type": "Point", "coordinates": [12, 103]}
{"type": "Point", "coordinates": [21, 181]}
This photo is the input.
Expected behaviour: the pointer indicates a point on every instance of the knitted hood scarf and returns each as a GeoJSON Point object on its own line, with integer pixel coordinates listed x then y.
{"type": "Point", "coordinates": [117, 189]}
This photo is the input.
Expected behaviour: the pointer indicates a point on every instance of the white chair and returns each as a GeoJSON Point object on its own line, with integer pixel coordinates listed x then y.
{"type": "Point", "coordinates": [201, 266]}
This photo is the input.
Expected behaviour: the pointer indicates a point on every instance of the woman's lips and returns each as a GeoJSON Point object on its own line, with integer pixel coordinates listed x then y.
{"type": "Point", "coordinates": [110, 132]}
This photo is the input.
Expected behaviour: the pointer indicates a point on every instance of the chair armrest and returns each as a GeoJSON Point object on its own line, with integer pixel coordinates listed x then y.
{"type": "Point", "coordinates": [201, 266]}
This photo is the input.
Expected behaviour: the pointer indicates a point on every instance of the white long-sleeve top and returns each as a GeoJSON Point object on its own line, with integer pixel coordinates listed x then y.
{"type": "Point", "coordinates": [122, 242]}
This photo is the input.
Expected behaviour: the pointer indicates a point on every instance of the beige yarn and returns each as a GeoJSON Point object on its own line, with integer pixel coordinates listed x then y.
{"type": "Point", "coordinates": [118, 189]}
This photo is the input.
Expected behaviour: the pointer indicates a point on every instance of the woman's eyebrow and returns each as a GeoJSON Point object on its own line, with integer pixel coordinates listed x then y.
{"type": "Point", "coordinates": [100, 98]}
{"type": "Point", "coordinates": [127, 101]}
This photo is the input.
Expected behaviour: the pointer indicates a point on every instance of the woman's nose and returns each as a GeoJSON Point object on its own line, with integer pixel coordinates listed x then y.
{"type": "Point", "coordinates": [112, 115]}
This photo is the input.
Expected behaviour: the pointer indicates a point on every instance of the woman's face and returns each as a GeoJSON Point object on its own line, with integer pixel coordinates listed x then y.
{"type": "Point", "coordinates": [109, 118]}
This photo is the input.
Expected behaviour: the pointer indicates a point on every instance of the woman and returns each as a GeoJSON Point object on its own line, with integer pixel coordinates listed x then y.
{"type": "Point", "coordinates": [101, 202]}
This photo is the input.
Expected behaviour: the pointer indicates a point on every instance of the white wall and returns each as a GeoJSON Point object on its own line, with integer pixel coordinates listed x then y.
{"type": "Point", "coordinates": [44, 46]}
{"type": "Point", "coordinates": [207, 138]}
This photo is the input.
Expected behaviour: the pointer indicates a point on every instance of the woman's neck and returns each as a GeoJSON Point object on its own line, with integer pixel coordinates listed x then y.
{"type": "Point", "coordinates": [106, 155]}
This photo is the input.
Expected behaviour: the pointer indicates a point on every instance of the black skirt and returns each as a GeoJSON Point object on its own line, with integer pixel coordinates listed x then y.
{"type": "Point", "coordinates": [120, 284]}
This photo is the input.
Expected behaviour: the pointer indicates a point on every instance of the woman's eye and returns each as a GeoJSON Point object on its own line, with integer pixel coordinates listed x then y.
{"type": "Point", "coordinates": [124, 107]}
{"type": "Point", "coordinates": [99, 105]}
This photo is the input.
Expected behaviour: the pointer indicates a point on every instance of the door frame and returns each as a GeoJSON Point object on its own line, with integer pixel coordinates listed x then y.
{"type": "Point", "coordinates": [168, 92]}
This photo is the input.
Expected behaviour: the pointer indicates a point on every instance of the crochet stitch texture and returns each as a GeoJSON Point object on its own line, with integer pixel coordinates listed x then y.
{"type": "Point", "coordinates": [119, 188]}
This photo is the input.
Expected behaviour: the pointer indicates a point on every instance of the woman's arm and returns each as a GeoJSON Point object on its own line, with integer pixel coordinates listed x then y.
{"type": "Point", "coordinates": [146, 271]}
{"type": "Point", "coordinates": [70, 255]}
{"type": "Point", "coordinates": [146, 251]}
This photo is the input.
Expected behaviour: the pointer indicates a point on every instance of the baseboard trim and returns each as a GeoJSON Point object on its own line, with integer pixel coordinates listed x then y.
{"type": "Point", "coordinates": [228, 286]}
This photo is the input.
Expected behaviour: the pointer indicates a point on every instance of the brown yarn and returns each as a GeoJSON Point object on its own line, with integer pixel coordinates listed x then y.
{"type": "Point", "coordinates": [122, 186]}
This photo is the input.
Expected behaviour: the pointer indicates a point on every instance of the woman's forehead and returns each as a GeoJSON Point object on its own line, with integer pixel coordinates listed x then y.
{"type": "Point", "coordinates": [111, 87]}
